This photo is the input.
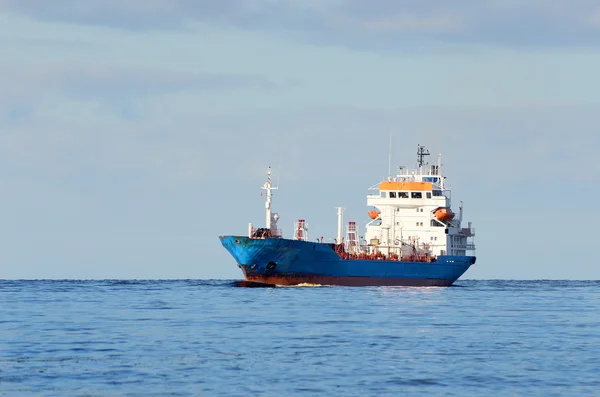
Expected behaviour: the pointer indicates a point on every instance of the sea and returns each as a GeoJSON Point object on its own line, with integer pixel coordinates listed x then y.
{"type": "Point", "coordinates": [222, 338]}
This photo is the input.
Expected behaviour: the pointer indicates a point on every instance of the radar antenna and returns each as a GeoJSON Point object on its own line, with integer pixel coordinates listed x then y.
{"type": "Point", "coordinates": [421, 153]}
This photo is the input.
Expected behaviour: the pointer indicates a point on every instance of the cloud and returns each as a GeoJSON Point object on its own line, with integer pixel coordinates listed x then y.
{"type": "Point", "coordinates": [23, 88]}
{"type": "Point", "coordinates": [60, 150]}
{"type": "Point", "coordinates": [151, 14]}
{"type": "Point", "coordinates": [413, 23]}
{"type": "Point", "coordinates": [382, 24]}
{"type": "Point", "coordinates": [594, 19]}
{"type": "Point", "coordinates": [508, 140]}
{"type": "Point", "coordinates": [45, 42]}
{"type": "Point", "coordinates": [91, 80]}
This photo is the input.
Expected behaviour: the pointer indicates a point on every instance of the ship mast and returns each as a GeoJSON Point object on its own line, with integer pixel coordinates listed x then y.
{"type": "Point", "coordinates": [268, 187]}
{"type": "Point", "coordinates": [421, 153]}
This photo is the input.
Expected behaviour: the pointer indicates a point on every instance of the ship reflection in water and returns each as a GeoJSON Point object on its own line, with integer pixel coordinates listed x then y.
{"type": "Point", "coordinates": [251, 284]}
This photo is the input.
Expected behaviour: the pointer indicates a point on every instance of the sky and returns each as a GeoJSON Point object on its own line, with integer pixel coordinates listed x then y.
{"type": "Point", "coordinates": [133, 134]}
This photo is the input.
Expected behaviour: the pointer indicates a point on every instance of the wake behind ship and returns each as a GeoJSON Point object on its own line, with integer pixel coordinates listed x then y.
{"type": "Point", "coordinates": [412, 239]}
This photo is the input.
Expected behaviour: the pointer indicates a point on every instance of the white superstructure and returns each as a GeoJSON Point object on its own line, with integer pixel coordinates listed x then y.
{"type": "Point", "coordinates": [412, 215]}
{"type": "Point", "coordinates": [411, 219]}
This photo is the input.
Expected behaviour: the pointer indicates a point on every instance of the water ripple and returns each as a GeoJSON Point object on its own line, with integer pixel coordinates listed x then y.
{"type": "Point", "coordinates": [221, 338]}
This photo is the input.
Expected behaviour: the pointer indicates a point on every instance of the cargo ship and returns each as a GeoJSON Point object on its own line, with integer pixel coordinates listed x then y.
{"type": "Point", "coordinates": [412, 238]}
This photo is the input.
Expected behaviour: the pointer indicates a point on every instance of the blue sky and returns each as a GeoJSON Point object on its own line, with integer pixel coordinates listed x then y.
{"type": "Point", "coordinates": [133, 133]}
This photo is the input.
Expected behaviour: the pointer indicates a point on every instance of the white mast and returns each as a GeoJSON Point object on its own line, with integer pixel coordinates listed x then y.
{"type": "Point", "coordinates": [267, 186]}
{"type": "Point", "coordinates": [340, 214]}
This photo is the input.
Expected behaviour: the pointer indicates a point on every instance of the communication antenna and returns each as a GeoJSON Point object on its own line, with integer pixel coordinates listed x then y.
{"type": "Point", "coordinates": [390, 156]}
{"type": "Point", "coordinates": [421, 153]}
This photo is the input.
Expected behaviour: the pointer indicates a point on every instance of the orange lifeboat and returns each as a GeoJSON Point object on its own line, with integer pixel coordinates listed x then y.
{"type": "Point", "coordinates": [444, 214]}
{"type": "Point", "coordinates": [374, 214]}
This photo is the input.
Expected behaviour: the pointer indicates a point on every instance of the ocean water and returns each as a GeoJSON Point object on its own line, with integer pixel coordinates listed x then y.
{"type": "Point", "coordinates": [215, 338]}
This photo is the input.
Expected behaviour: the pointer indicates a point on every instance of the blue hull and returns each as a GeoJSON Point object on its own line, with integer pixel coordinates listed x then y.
{"type": "Point", "coordinates": [291, 262]}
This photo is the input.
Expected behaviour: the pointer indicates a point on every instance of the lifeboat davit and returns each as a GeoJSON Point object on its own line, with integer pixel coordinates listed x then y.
{"type": "Point", "coordinates": [444, 214]}
{"type": "Point", "coordinates": [374, 214]}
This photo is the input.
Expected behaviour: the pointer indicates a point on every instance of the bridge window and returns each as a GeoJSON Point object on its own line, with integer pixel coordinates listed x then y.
{"type": "Point", "coordinates": [392, 194]}
{"type": "Point", "coordinates": [402, 194]}
{"type": "Point", "coordinates": [416, 195]}
{"type": "Point", "coordinates": [428, 194]}
{"type": "Point", "coordinates": [437, 193]}
{"type": "Point", "coordinates": [383, 194]}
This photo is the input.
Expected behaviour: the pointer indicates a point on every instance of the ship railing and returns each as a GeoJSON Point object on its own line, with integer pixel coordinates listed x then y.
{"type": "Point", "coordinates": [415, 172]}
{"type": "Point", "coordinates": [378, 255]}
{"type": "Point", "coordinates": [276, 233]}
{"type": "Point", "coordinates": [468, 246]}
{"type": "Point", "coordinates": [466, 231]}
{"type": "Point", "coordinates": [392, 253]}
